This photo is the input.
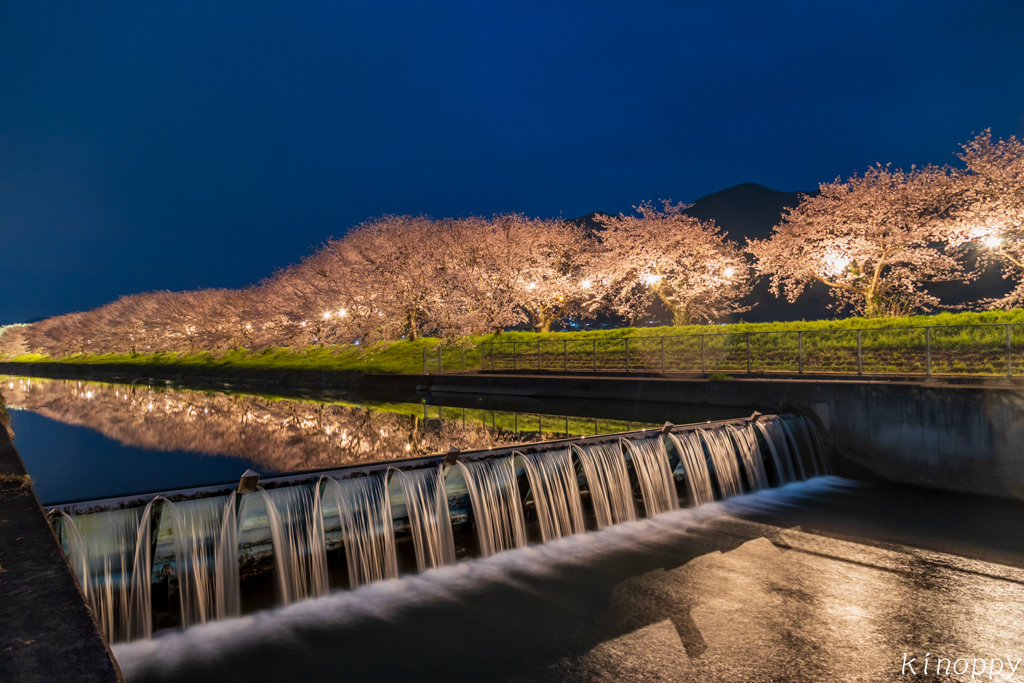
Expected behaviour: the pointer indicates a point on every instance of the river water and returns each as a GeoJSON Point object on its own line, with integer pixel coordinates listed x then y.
{"type": "Point", "coordinates": [829, 579]}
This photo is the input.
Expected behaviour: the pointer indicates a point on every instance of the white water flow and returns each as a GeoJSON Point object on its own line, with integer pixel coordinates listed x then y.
{"type": "Point", "coordinates": [777, 446]}
{"type": "Point", "coordinates": [556, 493]}
{"type": "Point", "coordinates": [723, 460]}
{"type": "Point", "coordinates": [798, 431]}
{"type": "Point", "coordinates": [426, 505]}
{"type": "Point", "coordinates": [695, 466]}
{"type": "Point", "coordinates": [497, 509]}
{"type": "Point", "coordinates": [296, 531]}
{"type": "Point", "coordinates": [650, 463]}
{"type": "Point", "coordinates": [140, 609]}
{"type": "Point", "coordinates": [205, 558]}
{"type": "Point", "coordinates": [604, 467]}
{"type": "Point", "coordinates": [364, 516]}
{"type": "Point", "coordinates": [750, 455]}
{"type": "Point", "coordinates": [102, 553]}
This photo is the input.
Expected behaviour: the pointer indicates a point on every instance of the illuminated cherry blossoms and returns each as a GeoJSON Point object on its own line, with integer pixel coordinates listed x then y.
{"type": "Point", "coordinates": [876, 240]}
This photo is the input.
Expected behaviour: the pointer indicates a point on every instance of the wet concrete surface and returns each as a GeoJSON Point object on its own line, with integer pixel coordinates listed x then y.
{"type": "Point", "coordinates": [688, 596]}
{"type": "Point", "coordinates": [46, 631]}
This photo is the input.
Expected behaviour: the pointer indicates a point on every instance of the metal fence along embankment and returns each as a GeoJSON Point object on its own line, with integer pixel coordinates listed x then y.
{"type": "Point", "coordinates": [995, 350]}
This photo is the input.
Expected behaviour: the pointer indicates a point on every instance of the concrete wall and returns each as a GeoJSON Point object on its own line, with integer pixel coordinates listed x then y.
{"type": "Point", "coordinates": [954, 437]}
{"type": "Point", "coordinates": [46, 631]}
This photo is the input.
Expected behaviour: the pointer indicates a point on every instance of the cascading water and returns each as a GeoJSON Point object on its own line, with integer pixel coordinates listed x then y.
{"type": "Point", "coordinates": [206, 558]}
{"type": "Point", "coordinates": [294, 518]}
{"type": "Point", "coordinates": [750, 455]}
{"type": "Point", "coordinates": [497, 510]}
{"type": "Point", "coordinates": [608, 483]}
{"type": "Point", "coordinates": [102, 549]}
{"type": "Point", "coordinates": [782, 457]}
{"type": "Point", "coordinates": [116, 553]}
{"type": "Point", "coordinates": [650, 463]}
{"type": "Point", "coordinates": [426, 505]}
{"type": "Point", "coordinates": [364, 517]}
{"type": "Point", "coordinates": [556, 493]}
{"type": "Point", "coordinates": [695, 466]}
{"type": "Point", "coordinates": [798, 430]}
{"type": "Point", "coordinates": [723, 460]}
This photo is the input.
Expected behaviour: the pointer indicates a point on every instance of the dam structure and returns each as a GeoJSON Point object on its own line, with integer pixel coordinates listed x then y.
{"type": "Point", "coordinates": [174, 559]}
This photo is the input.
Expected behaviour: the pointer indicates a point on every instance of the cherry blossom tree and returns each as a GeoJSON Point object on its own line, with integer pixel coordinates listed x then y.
{"type": "Point", "coordinates": [663, 254]}
{"type": "Point", "coordinates": [517, 269]}
{"type": "Point", "coordinates": [991, 218]}
{"type": "Point", "coordinates": [390, 277]}
{"type": "Point", "coordinates": [875, 240]}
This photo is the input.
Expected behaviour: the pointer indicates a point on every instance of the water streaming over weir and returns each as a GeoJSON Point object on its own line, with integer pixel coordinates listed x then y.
{"type": "Point", "coordinates": [199, 549]}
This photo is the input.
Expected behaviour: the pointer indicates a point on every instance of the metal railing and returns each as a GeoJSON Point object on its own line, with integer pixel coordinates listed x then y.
{"type": "Point", "coordinates": [994, 350]}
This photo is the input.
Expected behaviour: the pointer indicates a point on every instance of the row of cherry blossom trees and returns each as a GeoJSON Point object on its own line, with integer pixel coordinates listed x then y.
{"type": "Point", "coordinates": [876, 240]}
{"type": "Point", "coordinates": [408, 276]}
{"type": "Point", "coordinates": [880, 239]}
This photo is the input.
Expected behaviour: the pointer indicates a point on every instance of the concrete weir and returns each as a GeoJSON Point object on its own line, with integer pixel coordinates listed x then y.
{"type": "Point", "coordinates": [48, 633]}
{"type": "Point", "coordinates": [955, 437]}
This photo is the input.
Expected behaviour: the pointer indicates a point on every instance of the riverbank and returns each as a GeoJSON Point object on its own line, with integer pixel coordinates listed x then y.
{"type": "Point", "coordinates": [48, 632]}
{"type": "Point", "coordinates": [831, 344]}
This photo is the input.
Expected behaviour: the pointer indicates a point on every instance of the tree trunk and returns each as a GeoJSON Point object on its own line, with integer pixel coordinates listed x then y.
{"type": "Point", "coordinates": [413, 331]}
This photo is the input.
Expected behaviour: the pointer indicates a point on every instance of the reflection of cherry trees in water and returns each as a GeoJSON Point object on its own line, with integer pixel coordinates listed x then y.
{"type": "Point", "coordinates": [279, 435]}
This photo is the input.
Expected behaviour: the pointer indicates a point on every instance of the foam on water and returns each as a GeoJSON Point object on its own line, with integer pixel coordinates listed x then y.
{"type": "Point", "coordinates": [294, 637]}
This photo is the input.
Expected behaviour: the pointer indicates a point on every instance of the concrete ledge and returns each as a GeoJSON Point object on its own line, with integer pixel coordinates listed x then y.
{"type": "Point", "coordinates": [46, 631]}
{"type": "Point", "coordinates": [946, 436]}
{"type": "Point", "coordinates": [294, 380]}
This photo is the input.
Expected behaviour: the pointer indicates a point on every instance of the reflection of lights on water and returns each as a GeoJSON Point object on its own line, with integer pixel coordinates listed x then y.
{"type": "Point", "coordinates": [408, 447]}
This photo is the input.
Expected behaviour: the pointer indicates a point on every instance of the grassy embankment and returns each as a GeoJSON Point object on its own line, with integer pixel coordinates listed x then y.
{"type": "Point", "coordinates": [887, 345]}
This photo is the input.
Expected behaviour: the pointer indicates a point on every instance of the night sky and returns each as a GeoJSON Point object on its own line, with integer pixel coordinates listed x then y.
{"type": "Point", "coordinates": [176, 145]}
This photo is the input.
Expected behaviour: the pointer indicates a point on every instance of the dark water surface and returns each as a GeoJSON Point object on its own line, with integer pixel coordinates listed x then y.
{"type": "Point", "coordinates": [695, 595]}
{"type": "Point", "coordinates": [829, 579]}
{"type": "Point", "coordinates": [90, 440]}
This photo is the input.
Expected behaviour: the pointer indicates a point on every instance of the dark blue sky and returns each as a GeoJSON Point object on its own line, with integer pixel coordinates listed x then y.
{"type": "Point", "coordinates": [190, 144]}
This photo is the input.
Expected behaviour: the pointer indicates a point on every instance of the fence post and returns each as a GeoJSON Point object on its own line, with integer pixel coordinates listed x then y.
{"type": "Point", "coordinates": [424, 372]}
{"type": "Point", "coordinates": [703, 367]}
{"type": "Point", "coordinates": [860, 361]}
{"type": "Point", "coordinates": [1009, 354]}
{"type": "Point", "coordinates": [800, 351]}
{"type": "Point", "coordinates": [513, 356]}
{"type": "Point", "coordinates": [627, 355]}
{"type": "Point", "coordinates": [748, 353]}
{"type": "Point", "coordinates": [663, 355]}
{"type": "Point", "coordinates": [492, 356]}
{"type": "Point", "coordinates": [928, 352]}
{"type": "Point", "coordinates": [595, 353]}
{"type": "Point", "coordinates": [565, 355]}
{"type": "Point", "coordinates": [538, 355]}
{"type": "Point", "coordinates": [440, 367]}
{"type": "Point", "coordinates": [463, 372]}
